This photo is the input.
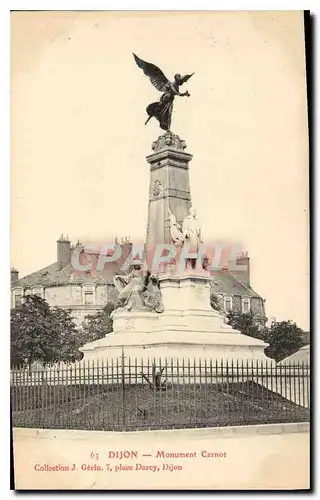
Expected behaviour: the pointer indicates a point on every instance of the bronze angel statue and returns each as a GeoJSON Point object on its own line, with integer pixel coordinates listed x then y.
{"type": "Point", "coordinates": [162, 110]}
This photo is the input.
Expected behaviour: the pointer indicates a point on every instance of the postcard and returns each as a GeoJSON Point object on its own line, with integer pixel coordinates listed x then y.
{"type": "Point", "coordinates": [160, 330]}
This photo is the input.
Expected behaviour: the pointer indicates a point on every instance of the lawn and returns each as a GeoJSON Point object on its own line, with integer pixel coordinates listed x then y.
{"type": "Point", "coordinates": [137, 406]}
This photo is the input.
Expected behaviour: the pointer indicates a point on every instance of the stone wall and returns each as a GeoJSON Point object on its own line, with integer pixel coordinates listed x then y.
{"type": "Point", "coordinates": [256, 305]}
{"type": "Point", "coordinates": [71, 297]}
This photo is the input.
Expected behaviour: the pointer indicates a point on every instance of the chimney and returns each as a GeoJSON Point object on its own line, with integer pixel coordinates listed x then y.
{"type": "Point", "coordinates": [244, 276]}
{"type": "Point", "coordinates": [63, 251]}
{"type": "Point", "coordinates": [14, 276]}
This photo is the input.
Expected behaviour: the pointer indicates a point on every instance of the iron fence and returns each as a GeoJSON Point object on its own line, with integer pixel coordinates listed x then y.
{"type": "Point", "coordinates": [126, 395]}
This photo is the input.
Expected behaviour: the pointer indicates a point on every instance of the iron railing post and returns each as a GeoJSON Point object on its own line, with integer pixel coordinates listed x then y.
{"type": "Point", "coordinates": [123, 391]}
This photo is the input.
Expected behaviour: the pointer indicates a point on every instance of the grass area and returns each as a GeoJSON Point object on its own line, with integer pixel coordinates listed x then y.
{"type": "Point", "coordinates": [108, 407]}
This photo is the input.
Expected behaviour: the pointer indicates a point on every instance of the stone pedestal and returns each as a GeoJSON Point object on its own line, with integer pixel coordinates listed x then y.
{"type": "Point", "coordinates": [187, 329]}
{"type": "Point", "coordinates": [141, 321]}
{"type": "Point", "coordinates": [186, 300]}
{"type": "Point", "coordinates": [169, 186]}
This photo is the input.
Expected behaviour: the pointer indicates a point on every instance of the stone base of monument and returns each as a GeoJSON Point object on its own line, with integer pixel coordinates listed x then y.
{"type": "Point", "coordinates": [188, 328]}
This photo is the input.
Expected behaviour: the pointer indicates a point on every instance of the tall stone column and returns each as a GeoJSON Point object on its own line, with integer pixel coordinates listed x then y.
{"type": "Point", "coordinates": [169, 186]}
{"type": "Point", "coordinates": [188, 327]}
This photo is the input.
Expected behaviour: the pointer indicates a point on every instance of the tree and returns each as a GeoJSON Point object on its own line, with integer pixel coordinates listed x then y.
{"type": "Point", "coordinates": [39, 333]}
{"type": "Point", "coordinates": [285, 338]}
{"type": "Point", "coordinates": [245, 323]}
{"type": "Point", "coordinates": [96, 326]}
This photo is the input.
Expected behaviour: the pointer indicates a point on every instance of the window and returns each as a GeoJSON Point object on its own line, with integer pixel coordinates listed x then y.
{"type": "Point", "coordinates": [17, 298]}
{"type": "Point", "coordinates": [88, 295]}
{"type": "Point", "coordinates": [245, 304]}
{"type": "Point", "coordinates": [38, 291]}
{"type": "Point", "coordinates": [228, 303]}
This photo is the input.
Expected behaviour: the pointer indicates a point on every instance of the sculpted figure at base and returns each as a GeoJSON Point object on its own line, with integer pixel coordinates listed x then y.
{"type": "Point", "coordinates": [191, 230]}
{"type": "Point", "coordinates": [176, 234]}
{"type": "Point", "coordinates": [138, 290]}
{"type": "Point", "coordinates": [190, 235]}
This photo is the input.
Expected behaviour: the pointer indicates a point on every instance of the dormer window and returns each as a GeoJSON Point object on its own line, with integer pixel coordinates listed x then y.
{"type": "Point", "coordinates": [38, 290]}
{"type": "Point", "coordinates": [17, 296]}
{"type": "Point", "coordinates": [88, 295]}
{"type": "Point", "coordinates": [228, 303]}
{"type": "Point", "coordinates": [245, 304]}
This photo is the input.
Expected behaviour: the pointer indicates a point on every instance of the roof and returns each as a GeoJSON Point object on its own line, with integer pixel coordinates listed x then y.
{"type": "Point", "coordinates": [53, 275]}
{"type": "Point", "coordinates": [302, 355]}
{"type": "Point", "coordinates": [306, 337]}
{"type": "Point", "coordinates": [224, 282]}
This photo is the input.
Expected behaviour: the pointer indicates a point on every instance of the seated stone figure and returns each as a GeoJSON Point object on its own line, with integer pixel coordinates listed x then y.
{"type": "Point", "coordinates": [138, 290]}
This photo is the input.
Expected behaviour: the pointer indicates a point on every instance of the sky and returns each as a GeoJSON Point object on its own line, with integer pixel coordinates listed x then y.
{"type": "Point", "coordinates": [79, 141]}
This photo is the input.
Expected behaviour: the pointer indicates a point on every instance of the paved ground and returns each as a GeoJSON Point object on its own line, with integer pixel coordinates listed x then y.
{"type": "Point", "coordinates": [270, 457]}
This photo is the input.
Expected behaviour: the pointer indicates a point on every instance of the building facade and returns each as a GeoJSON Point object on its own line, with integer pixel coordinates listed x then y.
{"type": "Point", "coordinates": [86, 292]}
{"type": "Point", "coordinates": [233, 291]}
{"type": "Point", "coordinates": [83, 293]}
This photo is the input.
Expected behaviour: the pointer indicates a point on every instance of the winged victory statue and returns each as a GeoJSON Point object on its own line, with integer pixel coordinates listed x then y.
{"type": "Point", "coordinates": [162, 110]}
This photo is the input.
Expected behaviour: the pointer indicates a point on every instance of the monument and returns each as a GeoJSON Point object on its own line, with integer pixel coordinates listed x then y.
{"type": "Point", "coordinates": [165, 310]}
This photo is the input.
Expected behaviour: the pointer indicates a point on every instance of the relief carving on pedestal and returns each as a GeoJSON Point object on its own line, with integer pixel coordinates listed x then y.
{"type": "Point", "coordinates": [157, 189]}
{"type": "Point", "coordinates": [169, 140]}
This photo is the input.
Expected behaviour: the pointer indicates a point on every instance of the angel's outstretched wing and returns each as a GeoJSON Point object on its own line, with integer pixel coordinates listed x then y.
{"type": "Point", "coordinates": [185, 78]}
{"type": "Point", "coordinates": [157, 78]}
